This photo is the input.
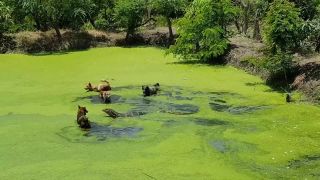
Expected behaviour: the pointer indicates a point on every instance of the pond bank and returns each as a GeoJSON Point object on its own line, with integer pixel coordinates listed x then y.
{"type": "Point", "coordinates": [305, 79]}
{"type": "Point", "coordinates": [44, 42]}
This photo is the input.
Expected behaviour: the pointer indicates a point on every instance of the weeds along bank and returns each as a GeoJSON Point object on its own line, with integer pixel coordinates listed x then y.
{"type": "Point", "coordinates": [35, 42]}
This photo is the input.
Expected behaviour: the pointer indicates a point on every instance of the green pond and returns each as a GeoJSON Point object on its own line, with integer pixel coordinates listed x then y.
{"type": "Point", "coordinates": [208, 122]}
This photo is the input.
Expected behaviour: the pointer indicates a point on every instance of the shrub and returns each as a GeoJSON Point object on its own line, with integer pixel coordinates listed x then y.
{"type": "Point", "coordinates": [33, 42]}
{"type": "Point", "coordinates": [7, 43]}
{"type": "Point", "coordinates": [281, 68]}
{"type": "Point", "coordinates": [5, 18]}
{"type": "Point", "coordinates": [202, 34]}
{"type": "Point", "coordinates": [129, 15]}
{"type": "Point", "coordinates": [283, 26]}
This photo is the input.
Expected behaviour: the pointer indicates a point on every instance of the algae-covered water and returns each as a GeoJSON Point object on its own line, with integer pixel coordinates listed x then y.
{"type": "Point", "coordinates": [207, 122]}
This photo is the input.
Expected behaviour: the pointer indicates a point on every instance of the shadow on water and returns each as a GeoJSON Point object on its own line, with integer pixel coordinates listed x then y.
{"type": "Point", "coordinates": [220, 105]}
{"type": "Point", "coordinates": [97, 133]}
{"type": "Point", "coordinates": [180, 109]}
{"type": "Point", "coordinates": [255, 84]}
{"type": "Point", "coordinates": [195, 120]}
{"type": "Point", "coordinates": [96, 99]}
{"type": "Point", "coordinates": [177, 95]}
{"type": "Point", "coordinates": [120, 88]}
{"type": "Point", "coordinates": [210, 122]}
{"type": "Point", "coordinates": [231, 146]}
{"type": "Point", "coordinates": [236, 109]}
{"type": "Point", "coordinates": [149, 105]}
{"type": "Point", "coordinates": [307, 160]}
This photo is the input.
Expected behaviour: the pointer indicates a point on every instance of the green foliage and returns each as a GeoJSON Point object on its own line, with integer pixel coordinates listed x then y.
{"type": "Point", "coordinates": [312, 28]}
{"type": "Point", "coordinates": [315, 33]}
{"type": "Point", "coordinates": [101, 24]}
{"type": "Point", "coordinates": [279, 63]}
{"type": "Point", "coordinates": [56, 13]}
{"type": "Point", "coordinates": [308, 8]}
{"type": "Point", "coordinates": [5, 17]}
{"type": "Point", "coordinates": [129, 14]}
{"type": "Point", "coordinates": [201, 31]}
{"type": "Point", "coordinates": [106, 18]}
{"type": "Point", "coordinates": [254, 61]}
{"type": "Point", "coordinates": [169, 8]}
{"type": "Point", "coordinates": [282, 26]}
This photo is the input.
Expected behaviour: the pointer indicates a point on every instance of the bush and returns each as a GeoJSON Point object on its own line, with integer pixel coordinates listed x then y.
{"type": "Point", "coordinates": [283, 26]}
{"type": "Point", "coordinates": [281, 68]}
{"type": "Point", "coordinates": [129, 15]}
{"type": "Point", "coordinates": [101, 24]}
{"type": "Point", "coordinates": [5, 18]}
{"type": "Point", "coordinates": [202, 34]}
{"type": "Point", "coordinates": [278, 69]}
{"type": "Point", "coordinates": [33, 42]}
{"type": "Point", "coordinates": [7, 43]}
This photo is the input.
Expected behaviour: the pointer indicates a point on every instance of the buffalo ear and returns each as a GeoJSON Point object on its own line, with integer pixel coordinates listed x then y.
{"type": "Point", "coordinates": [79, 107]}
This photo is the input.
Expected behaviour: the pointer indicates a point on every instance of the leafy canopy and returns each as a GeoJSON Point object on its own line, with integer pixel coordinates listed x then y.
{"type": "Point", "coordinates": [129, 14]}
{"type": "Point", "coordinates": [202, 34]}
{"type": "Point", "coordinates": [169, 8]}
{"type": "Point", "coordinates": [5, 17]}
{"type": "Point", "coordinates": [282, 26]}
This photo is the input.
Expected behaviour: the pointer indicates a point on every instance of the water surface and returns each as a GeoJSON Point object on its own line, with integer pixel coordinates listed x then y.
{"type": "Point", "coordinates": [207, 122]}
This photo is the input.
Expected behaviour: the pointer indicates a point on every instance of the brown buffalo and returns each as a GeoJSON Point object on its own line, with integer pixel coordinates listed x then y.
{"type": "Point", "coordinates": [103, 86]}
{"type": "Point", "coordinates": [82, 119]}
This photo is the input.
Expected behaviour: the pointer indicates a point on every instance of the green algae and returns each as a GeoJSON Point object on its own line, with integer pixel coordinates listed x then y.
{"type": "Point", "coordinates": [40, 140]}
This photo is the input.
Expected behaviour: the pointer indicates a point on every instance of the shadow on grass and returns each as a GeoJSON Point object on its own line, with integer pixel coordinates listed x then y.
{"type": "Point", "coordinates": [216, 62]}
{"type": "Point", "coordinates": [51, 53]}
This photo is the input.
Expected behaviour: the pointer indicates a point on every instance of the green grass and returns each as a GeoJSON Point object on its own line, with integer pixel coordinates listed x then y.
{"type": "Point", "coordinates": [40, 139]}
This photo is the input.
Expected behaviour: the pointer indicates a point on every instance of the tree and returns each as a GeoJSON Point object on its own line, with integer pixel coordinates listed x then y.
{"type": "Point", "coordinates": [169, 9]}
{"type": "Point", "coordinates": [315, 33]}
{"type": "Point", "coordinates": [202, 31]}
{"type": "Point", "coordinates": [308, 8]}
{"type": "Point", "coordinates": [58, 14]}
{"type": "Point", "coordinates": [283, 26]}
{"type": "Point", "coordinates": [251, 12]}
{"type": "Point", "coordinates": [5, 18]}
{"type": "Point", "coordinates": [129, 15]}
{"type": "Point", "coordinates": [104, 16]}
{"type": "Point", "coordinates": [260, 8]}
{"type": "Point", "coordinates": [312, 28]}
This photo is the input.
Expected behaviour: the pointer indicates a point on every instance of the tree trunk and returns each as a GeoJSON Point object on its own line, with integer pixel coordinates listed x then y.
{"type": "Point", "coordinates": [256, 32]}
{"type": "Point", "coordinates": [197, 47]}
{"type": "Point", "coordinates": [130, 32]}
{"type": "Point", "coordinates": [237, 26]}
{"type": "Point", "coordinates": [318, 45]}
{"type": "Point", "coordinates": [58, 33]}
{"type": "Point", "coordinates": [38, 26]}
{"type": "Point", "coordinates": [246, 8]}
{"type": "Point", "coordinates": [127, 36]}
{"type": "Point", "coordinates": [171, 37]}
{"type": "Point", "coordinates": [92, 23]}
{"type": "Point", "coordinates": [149, 12]}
